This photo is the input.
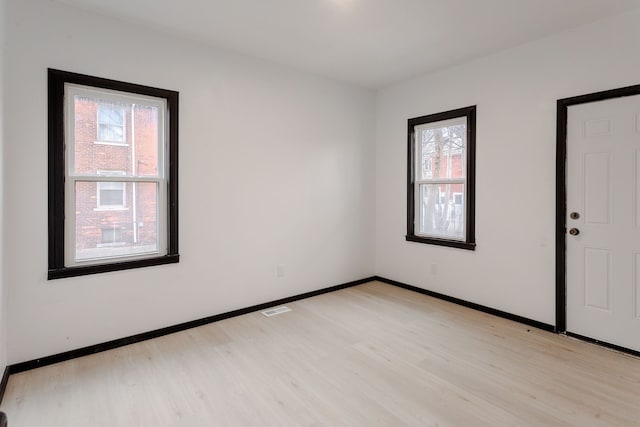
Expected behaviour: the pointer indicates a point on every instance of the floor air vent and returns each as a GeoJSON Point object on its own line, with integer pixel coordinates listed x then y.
{"type": "Point", "coordinates": [275, 311]}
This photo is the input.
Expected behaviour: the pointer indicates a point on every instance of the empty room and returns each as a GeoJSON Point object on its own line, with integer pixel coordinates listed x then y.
{"type": "Point", "coordinates": [320, 212]}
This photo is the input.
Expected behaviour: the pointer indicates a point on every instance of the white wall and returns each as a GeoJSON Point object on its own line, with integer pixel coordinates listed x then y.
{"type": "Point", "coordinates": [3, 293]}
{"type": "Point", "coordinates": [512, 268]}
{"type": "Point", "coordinates": [276, 167]}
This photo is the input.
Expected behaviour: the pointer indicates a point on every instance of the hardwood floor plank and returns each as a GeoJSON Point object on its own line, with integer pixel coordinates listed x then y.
{"type": "Point", "coordinates": [370, 355]}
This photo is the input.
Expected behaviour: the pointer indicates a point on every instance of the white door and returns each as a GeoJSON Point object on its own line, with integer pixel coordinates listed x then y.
{"type": "Point", "coordinates": [603, 205]}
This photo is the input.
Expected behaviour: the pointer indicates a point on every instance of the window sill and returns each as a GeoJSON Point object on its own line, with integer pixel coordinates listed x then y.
{"type": "Point", "coordinates": [442, 242]}
{"type": "Point", "coordinates": [63, 272]}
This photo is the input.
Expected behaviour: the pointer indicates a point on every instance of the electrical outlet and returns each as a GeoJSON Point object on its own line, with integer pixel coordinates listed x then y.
{"type": "Point", "coordinates": [280, 270]}
{"type": "Point", "coordinates": [434, 269]}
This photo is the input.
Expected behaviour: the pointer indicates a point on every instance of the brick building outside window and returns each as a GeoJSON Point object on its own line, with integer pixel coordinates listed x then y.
{"type": "Point", "coordinates": [115, 139]}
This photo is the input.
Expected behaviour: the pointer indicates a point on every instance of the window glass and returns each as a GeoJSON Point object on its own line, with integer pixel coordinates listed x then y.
{"type": "Point", "coordinates": [110, 121]}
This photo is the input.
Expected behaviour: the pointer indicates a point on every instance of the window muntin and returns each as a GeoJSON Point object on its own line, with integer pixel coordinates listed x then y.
{"type": "Point", "coordinates": [119, 205]}
{"type": "Point", "coordinates": [440, 204]}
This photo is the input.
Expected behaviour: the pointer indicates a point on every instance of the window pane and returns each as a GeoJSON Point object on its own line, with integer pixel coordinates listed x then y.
{"type": "Point", "coordinates": [441, 150]}
{"type": "Point", "coordinates": [111, 235]}
{"type": "Point", "coordinates": [111, 113]}
{"type": "Point", "coordinates": [108, 233]}
{"type": "Point", "coordinates": [111, 195]}
{"type": "Point", "coordinates": [122, 136]}
{"type": "Point", "coordinates": [111, 121]}
{"type": "Point", "coordinates": [441, 211]}
{"type": "Point", "coordinates": [110, 133]}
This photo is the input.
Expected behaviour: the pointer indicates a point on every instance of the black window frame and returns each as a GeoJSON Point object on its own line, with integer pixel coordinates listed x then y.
{"type": "Point", "coordinates": [56, 180]}
{"type": "Point", "coordinates": [470, 194]}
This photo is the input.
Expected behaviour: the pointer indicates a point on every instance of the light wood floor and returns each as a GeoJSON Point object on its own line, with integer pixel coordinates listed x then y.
{"type": "Point", "coordinates": [372, 355]}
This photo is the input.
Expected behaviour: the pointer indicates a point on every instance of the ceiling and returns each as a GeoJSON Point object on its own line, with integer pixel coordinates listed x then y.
{"type": "Point", "coordinates": [370, 43]}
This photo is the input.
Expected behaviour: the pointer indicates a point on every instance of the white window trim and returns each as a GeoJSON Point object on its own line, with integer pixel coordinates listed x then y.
{"type": "Point", "coordinates": [437, 181]}
{"type": "Point", "coordinates": [71, 178]}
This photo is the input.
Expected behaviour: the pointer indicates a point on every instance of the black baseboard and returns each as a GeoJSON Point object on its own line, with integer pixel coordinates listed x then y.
{"type": "Point", "coordinates": [604, 344]}
{"type": "Point", "coordinates": [3, 383]}
{"type": "Point", "coordinates": [109, 345]}
{"type": "Point", "coordinates": [484, 309]}
{"type": "Point", "coordinates": [85, 351]}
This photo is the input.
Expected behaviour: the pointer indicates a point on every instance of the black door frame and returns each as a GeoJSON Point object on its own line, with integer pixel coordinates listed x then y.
{"type": "Point", "coordinates": [561, 201]}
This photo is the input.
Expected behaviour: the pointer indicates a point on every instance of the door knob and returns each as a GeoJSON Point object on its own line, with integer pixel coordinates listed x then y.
{"type": "Point", "coordinates": [574, 231]}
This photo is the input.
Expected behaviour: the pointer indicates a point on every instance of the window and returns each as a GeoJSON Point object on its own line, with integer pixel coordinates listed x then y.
{"type": "Point", "coordinates": [111, 206]}
{"type": "Point", "coordinates": [440, 185]}
{"type": "Point", "coordinates": [111, 122]}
